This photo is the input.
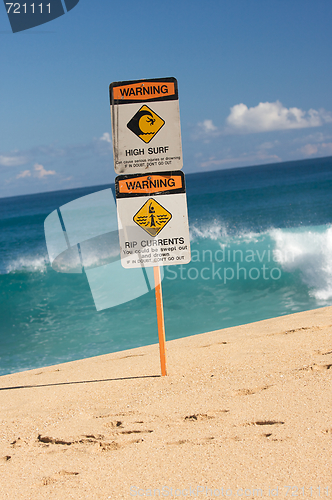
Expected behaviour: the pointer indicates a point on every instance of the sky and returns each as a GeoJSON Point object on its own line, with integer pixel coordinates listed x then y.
{"type": "Point", "coordinates": [254, 81]}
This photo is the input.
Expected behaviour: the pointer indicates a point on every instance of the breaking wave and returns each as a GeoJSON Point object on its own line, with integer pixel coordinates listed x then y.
{"type": "Point", "coordinates": [308, 251]}
{"type": "Point", "coordinates": [303, 251]}
{"type": "Point", "coordinates": [27, 264]}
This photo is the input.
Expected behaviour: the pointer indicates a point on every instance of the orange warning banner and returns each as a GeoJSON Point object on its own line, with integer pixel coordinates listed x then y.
{"type": "Point", "coordinates": [143, 91]}
{"type": "Point", "coordinates": [149, 184]}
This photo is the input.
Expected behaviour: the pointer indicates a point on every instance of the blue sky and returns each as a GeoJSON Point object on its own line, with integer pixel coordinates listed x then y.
{"type": "Point", "coordinates": [254, 85]}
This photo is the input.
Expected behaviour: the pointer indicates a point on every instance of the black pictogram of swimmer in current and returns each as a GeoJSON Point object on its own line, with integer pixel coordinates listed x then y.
{"type": "Point", "coordinates": [152, 216]}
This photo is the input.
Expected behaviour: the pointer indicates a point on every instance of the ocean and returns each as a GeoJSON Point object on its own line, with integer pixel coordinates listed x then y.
{"type": "Point", "coordinates": [261, 244]}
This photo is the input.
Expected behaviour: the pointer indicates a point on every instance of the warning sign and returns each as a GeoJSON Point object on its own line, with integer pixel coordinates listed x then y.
{"type": "Point", "coordinates": [153, 219]}
{"type": "Point", "coordinates": [146, 126]}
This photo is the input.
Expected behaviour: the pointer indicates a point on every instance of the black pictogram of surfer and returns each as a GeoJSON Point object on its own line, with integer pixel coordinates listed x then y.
{"type": "Point", "coordinates": [145, 124]}
{"type": "Point", "coordinates": [135, 122]}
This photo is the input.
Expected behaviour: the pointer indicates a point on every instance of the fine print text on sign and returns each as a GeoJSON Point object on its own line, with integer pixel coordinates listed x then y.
{"type": "Point", "coordinates": [146, 126]}
{"type": "Point", "coordinates": [153, 219]}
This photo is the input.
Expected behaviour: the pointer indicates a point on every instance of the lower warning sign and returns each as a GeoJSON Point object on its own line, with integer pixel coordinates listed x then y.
{"type": "Point", "coordinates": [153, 219]}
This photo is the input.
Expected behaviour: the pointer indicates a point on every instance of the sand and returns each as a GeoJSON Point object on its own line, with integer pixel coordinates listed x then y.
{"type": "Point", "coordinates": [245, 412]}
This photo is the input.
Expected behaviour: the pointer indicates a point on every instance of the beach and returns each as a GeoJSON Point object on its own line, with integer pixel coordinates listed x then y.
{"type": "Point", "coordinates": [244, 412]}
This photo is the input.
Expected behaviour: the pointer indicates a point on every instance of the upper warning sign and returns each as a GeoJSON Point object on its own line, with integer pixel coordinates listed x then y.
{"type": "Point", "coordinates": [146, 112]}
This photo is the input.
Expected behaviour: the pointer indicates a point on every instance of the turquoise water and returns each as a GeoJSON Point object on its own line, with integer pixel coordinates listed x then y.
{"type": "Point", "coordinates": [261, 240]}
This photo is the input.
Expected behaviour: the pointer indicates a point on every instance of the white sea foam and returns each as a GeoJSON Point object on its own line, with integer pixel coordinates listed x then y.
{"type": "Point", "coordinates": [305, 250]}
{"type": "Point", "coordinates": [309, 251]}
{"type": "Point", "coordinates": [213, 231]}
{"type": "Point", "coordinates": [31, 264]}
{"type": "Point", "coordinates": [218, 231]}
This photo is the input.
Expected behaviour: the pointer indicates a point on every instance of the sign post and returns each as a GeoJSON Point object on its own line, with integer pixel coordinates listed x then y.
{"type": "Point", "coordinates": [150, 190]}
{"type": "Point", "coordinates": [160, 320]}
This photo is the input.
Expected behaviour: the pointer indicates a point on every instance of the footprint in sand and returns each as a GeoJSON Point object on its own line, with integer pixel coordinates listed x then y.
{"type": "Point", "coordinates": [323, 353]}
{"type": "Point", "coordinates": [136, 431]}
{"type": "Point", "coordinates": [113, 445]}
{"type": "Point", "coordinates": [115, 424]}
{"type": "Point", "coordinates": [265, 422]}
{"type": "Point", "coordinates": [211, 345]}
{"type": "Point", "coordinates": [198, 416]}
{"type": "Point", "coordinates": [18, 443]}
{"type": "Point", "coordinates": [51, 440]}
{"type": "Point", "coordinates": [46, 481]}
{"type": "Point", "coordinates": [321, 368]}
{"type": "Point", "coordinates": [181, 441]}
{"type": "Point", "coordinates": [316, 368]}
{"type": "Point", "coordinates": [248, 392]}
{"type": "Point", "coordinates": [132, 356]}
{"type": "Point", "coordinates": [87, 439]}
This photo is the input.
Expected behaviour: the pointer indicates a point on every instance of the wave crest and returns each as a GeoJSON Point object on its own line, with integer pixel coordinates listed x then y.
{"type": "Point", "coordinates": [217, 231]}
{"type": "Point", "coordinates": [213, 231]}
{"type": "Point", "coordinates": [29, 264]}
{"type": "Point", "coordinates": [309, 251]}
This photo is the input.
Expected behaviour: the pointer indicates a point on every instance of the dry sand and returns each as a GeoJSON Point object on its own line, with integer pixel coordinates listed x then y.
{"type": "Point", "coordinates": [244, 413]}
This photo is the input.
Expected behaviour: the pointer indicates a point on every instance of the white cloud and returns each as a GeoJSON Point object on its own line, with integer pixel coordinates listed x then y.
{"type": "Point", "coordinates": [309, 149]}
{"type": "Point", "coordinates": [25, 173]}
{"type": "Point", "coordinates": [106, 137]}
{"type": "Point", "coordinates": [267, 145]}
{"type": "Point", "coordinates": [269, 116]}
{"type": "Point", "coordinates": [245, 159]}
{"type": "Point", "coordinates": [87, 164]}
{"type": "Point", "coordinates": [41, 172]}
{"type": "Point", "coordinates": [327, 147]}
{"type": "Point", "coordinates": [205, 130]}
{"type": "Point", "coordinates": [12, 161]}
{"type": "Point", "coordinates": [314, 138]}
{"type": "Point", "coordinates": [320, 149]}
{"type": "Point", "coordinates": [207, 126]}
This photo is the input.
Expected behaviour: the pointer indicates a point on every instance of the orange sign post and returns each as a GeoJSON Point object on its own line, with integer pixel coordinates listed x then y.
{"type": "Point", "coordinates": [160, 320]}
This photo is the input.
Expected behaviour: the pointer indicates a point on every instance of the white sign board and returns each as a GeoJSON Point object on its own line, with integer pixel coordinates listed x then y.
{"type": "Point", "coordinates": [146, 126]}
{"type": "Point", "coordinates": [153, 219]}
